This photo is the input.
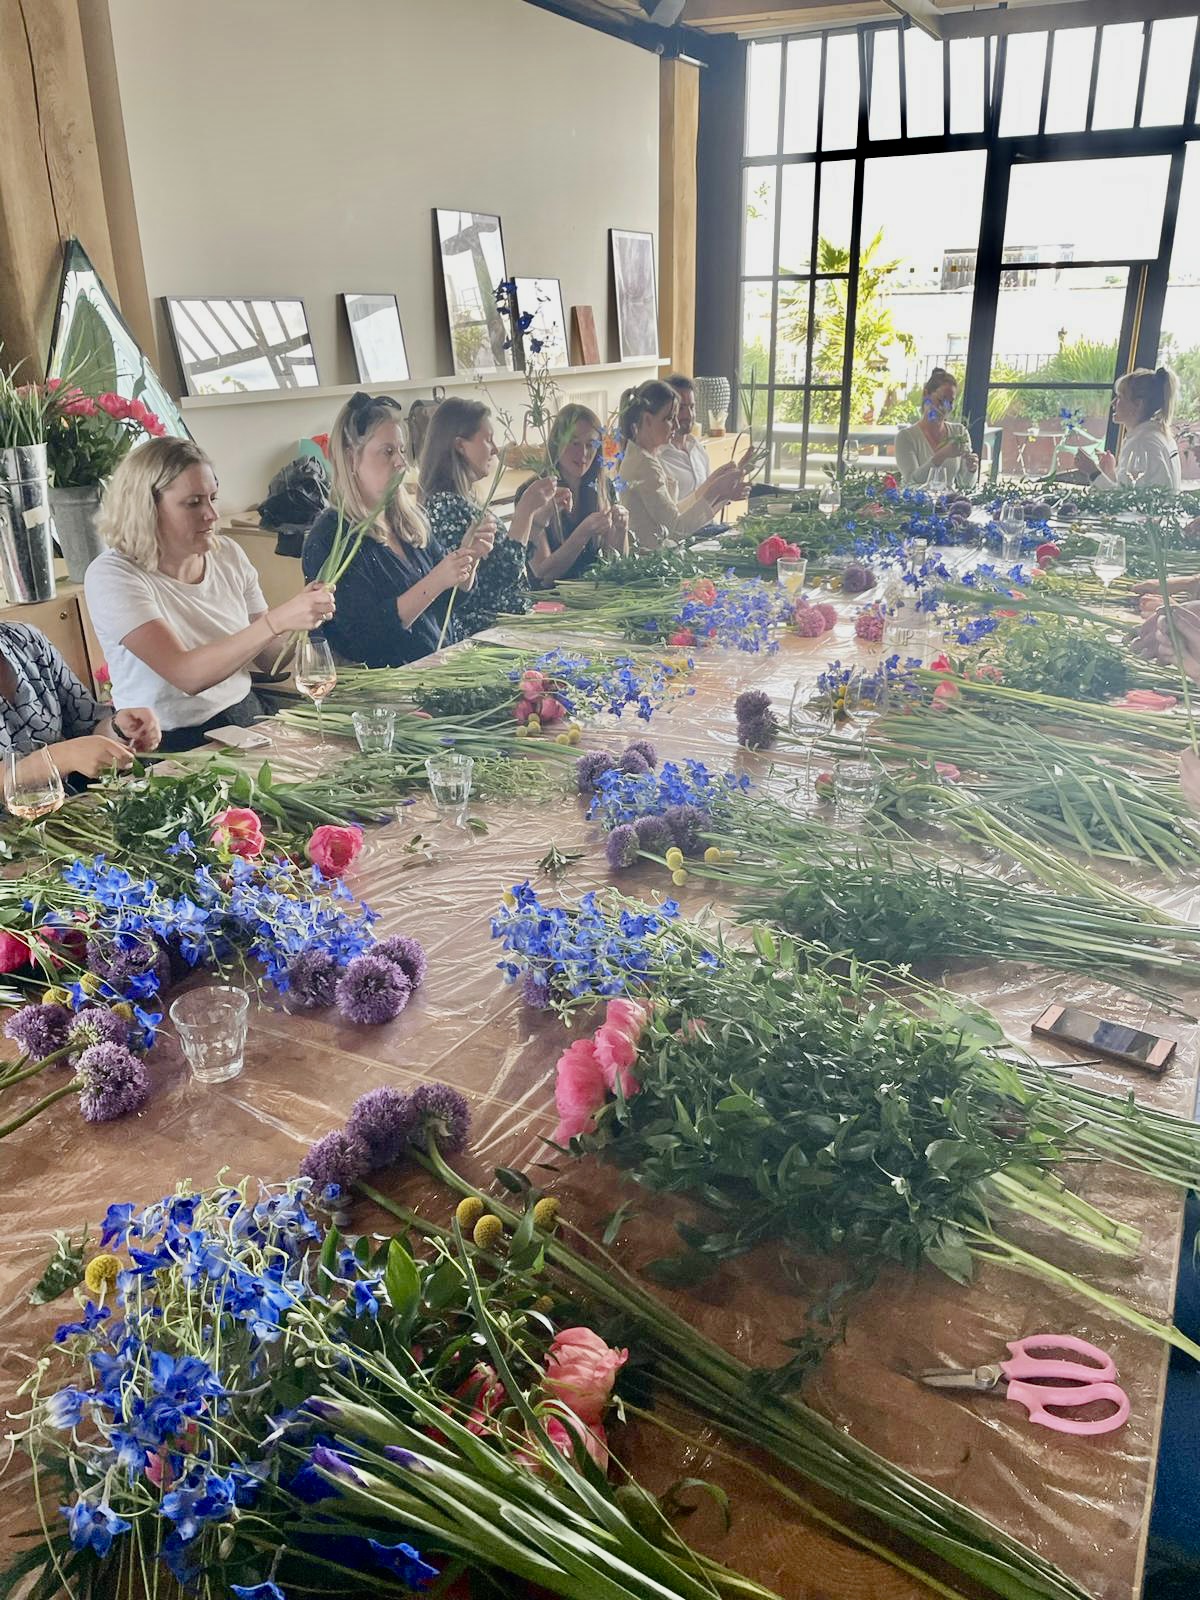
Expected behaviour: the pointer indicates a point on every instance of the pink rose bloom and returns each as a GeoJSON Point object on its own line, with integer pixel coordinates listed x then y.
{"type": "Point", "coordinates": [941, 663]}
{"type": "Point", "coordinates": [566, 1433]}
{"type": "Point", "coordinates": [532, 684]}
{"type": "Point", "coordinates": [551, 709]}
{"type": "Point", "coordinates": [332, 849]}
{"type": "Point", "coordinates": [579, 1089]}
{"type": "Point", "coordinates": [581, 1370]}
{"type": "Point", "coordinates": [616, 1052]}
{"type": "Point", "coordinates": [14, 952]}
{"type": "Point", "coordinates": [944, 692]}
{"type": "Point", "coordinates": [238, 830]}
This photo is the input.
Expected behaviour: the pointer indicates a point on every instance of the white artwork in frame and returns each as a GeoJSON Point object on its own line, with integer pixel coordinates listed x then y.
{"type": "Point", "coordinates": [541, 299]}
{"type": "Point", "coordinates": [636, 292]}
{"type": "Point", "coordinates": [378, 337]}
{"type": "Point", "coordinates": [472, 251]}
{"type": "Point", "coordinates": [228, 346]}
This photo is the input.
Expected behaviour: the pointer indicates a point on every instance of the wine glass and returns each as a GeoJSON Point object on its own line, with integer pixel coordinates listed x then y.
{"type": "Point", "coordinates": [851, 451]}
{"type": "Point", "coordinates": [937, 485]}
{"type": "Point", "coordinates": [315, 674]}
{"type": "Point", "coordinates": [810, 717]}
{"type": "Point", "coordinates": [1012, 527]}
{"type": "Point", "coordinates": [867, 696]}
{"type": "Point", "coordinates": [830, 499]}
{"type": "Point", "coordinates": [1135, 463]}
{"type": "Point", "coordinates": [33, 787]}
{"type": "Point", "coordinates": [1109, 561]}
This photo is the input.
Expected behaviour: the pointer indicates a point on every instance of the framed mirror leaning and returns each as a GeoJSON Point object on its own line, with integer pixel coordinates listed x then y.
{"type": "Point", "coordinates": [472, 253]}
{"type": "Point", "coordinates": [378, 338]}
{"type": "Point", "coordinates": [226, 346]}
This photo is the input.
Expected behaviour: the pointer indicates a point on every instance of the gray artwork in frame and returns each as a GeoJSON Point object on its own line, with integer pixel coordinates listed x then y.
{"type": "Point", "coordinates": [471, 246]}
{"type": "Point", "coordinates": [636, 289]}
{"type": "Point", "coordinates": [541, 299]}
{"type": "Point", "coordinates": [378, 338]}
{"type": "Point", "coordinates": [227, 346]}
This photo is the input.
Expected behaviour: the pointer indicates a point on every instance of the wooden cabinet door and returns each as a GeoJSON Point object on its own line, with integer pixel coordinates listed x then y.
{"type": "Point", "coordinates": [60, 621]}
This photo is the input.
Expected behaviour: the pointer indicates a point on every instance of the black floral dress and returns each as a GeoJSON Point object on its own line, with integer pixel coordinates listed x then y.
{"type": "Point", "coordinates": [502, 581]}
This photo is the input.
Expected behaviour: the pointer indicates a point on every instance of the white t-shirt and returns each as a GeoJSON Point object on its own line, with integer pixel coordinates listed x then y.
{"type": "Point", "coordinates": [688, 465]}
{"type": "Point", "coordinates": [121, 596]}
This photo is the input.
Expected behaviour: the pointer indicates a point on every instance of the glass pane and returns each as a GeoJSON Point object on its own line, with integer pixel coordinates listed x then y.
{"type": "Point", "coordinates": [1070, 79]}
{"type": "Point", "coordinates": [1059, 325]}
{"type": "Point", "coordinates": [803, 95]}
{"type": "Point", "coordinates": [1167, 72]}
{"type": "Point", "coordinates": [787, 435]}
{"type": "Point", "coordinates": [762, 98]}
{"type": "Point", "coordinates": [837, 198]}
{"type": "Point", "coordinates": [756, 346]}
{"type": "Point", "coordinates": [925, 89]}
{"type": "Point", "coordinates": [966, 86]}
{"type": "Point", "coordinates": [791, 349]}
{"type": "Point", "coordinates": [1042, 428]}
{"type": "Point", "coordinates": [916, 282]}
{"type": "Point", "coordinates": [1098, 210]}
{"type": "Point", "coordinates": [795, 223]}
{"type": "Point", "coordinates": [885, 85]}
{"type": "Point", "coordinates": [840, 127]}
{"type": "Point", "coordinates": [1120, 67]}
{"type": "Point", "coordinates": [759, 257]}
{"type": "Point", "coordinates": [1179, 347]}
{"type": "Point", "coordinates": [1024, 74]}
{"type": "Point", "coordinates": [829, 330]}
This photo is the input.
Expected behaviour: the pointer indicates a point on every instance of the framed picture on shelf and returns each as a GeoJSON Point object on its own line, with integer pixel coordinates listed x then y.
{"type": "Point", "coordinates": [378, 337]}
{"type": "Point", "coordinates": [472, 252]}
{"type": "Point", "coordinates": [228, 346]}
{"type": "Point", "coordinates": [542, 299]}
{"type": "Point", "coordinates": [636, 293]}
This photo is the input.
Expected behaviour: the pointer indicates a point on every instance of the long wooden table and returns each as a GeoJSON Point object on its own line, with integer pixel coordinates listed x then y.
{"type": "Point", "coordinates": [1084, 1503]}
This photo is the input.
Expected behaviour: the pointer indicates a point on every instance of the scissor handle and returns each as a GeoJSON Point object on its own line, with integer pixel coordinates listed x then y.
{"type": "Point", "coordinates": [1097, 1366]}
{"type": "Point", "coordinates": [1037, 1399]}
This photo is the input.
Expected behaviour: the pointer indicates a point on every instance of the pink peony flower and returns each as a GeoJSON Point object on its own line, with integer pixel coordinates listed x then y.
{"type": "Point", "coordinates": [581, 1370]}
{"type": "Point", "coordinates": [703, 590]}
{"type": "Point", "coordinates": [532, 684]}
{"type": "Point", "coordinates": [770, 550]}
{"type": "Point", "coordinates": [14, 952]}
{"type": "Point", "coordinates": [579, 1089]}
{"type": "Point", "coordinates": [239, 831]}
{"type": "Point", "coordinates": [890, 481]}
{"type": "Point", "coordinates": [616, 1051]}
{"type": "Point", "coordinates": [524, 709]}
{"type": "Point", "coordinates": [332, 849]}
{"type": "Point", "coordinates": [551, 709]}
{"type": "Point", "coordinates": [627, 1015]}
{"type": "Point", "coordinates": [1047, 552]}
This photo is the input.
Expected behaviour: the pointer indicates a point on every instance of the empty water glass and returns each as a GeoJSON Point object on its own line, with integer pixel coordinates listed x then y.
{"type": "Point", "coordinates": [855, 789]}
{"type": "Point", "coordinates": [1010, 548]}
{"type": "Point", "coordinates": [211, 1024]}
{"type": "Point", "coordinates": [450, 784]}
{"type": "Point", "coordinates": [375, 729]}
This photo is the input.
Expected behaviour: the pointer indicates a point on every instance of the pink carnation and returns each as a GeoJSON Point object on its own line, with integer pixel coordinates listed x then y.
{"type": "Point", "coordinates": [579, 1089]}
{"type": "Point", "coordinates": [581, 1370]}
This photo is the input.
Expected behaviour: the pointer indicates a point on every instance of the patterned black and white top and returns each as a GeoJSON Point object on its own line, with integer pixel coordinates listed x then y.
{"type": "Point", "coordinates": [50, 703]}
{"type": "Point", "coordinates": [501, 583]}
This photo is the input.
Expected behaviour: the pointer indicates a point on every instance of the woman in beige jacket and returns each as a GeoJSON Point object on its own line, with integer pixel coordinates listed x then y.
{"type": "Point", "coordinates": [656, 514]}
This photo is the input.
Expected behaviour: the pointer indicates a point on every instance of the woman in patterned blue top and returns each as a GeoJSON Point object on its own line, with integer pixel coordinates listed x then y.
{"type": "Point", "coordinates": [44, 705]}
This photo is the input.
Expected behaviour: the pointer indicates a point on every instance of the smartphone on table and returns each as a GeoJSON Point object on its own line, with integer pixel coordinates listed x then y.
{"type": "Point", "coordinates": [1133, 1046]}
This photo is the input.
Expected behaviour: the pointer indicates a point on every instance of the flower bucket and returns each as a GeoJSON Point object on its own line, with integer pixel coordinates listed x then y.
{"type": "Point", "coordinates": [26, 547]}
{"type": "Point", "coordinates": [73, 513]}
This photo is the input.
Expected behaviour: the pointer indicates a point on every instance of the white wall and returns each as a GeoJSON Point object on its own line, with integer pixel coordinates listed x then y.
{"type": "Point", "coordinates": [298, 147]}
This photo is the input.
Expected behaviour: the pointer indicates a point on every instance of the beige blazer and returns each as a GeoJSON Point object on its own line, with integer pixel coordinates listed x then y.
{"type": "Point", "coordinates": [656, 513]}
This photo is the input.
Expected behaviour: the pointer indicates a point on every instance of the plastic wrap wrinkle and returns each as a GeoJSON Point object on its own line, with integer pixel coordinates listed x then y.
{"type": "Point", "coordinates": [1082, 1503]}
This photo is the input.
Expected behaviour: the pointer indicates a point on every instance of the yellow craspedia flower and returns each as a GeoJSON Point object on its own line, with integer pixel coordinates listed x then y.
{"type": "Point", "coordinates": [562, 738]}
{"type": "Point", "coordinates": [488, 1232]}
{"type": "Point", "coordinates": [101, 1273]}
{"type": "Point", "coordinates": [679, 876]}
{"type": "Point", "coordinates": [545, 1213]}
{"type": "Point", "coordinates": [534, 725]}
{"type": "Point", "coordinates": [123, 1010]}
{"type": "Point", "coordinates": [56, 997]}
{"type": "Point", "coordinates": [712, 854]}
{"type": "Point", "coordinates": [574, 735]}
{"type": "Point", "coordinates": [544, 1304]}
{"type": "Point", "coordinates": [508, 898]}
{"type": "Point", "coordinates": [90, 983]}
{"type": "Point", "coordinates": [468, 1212]}
{"type": "Point", "coordinates": [523, 730]}
{"type": "Point", "coordinates": [674, 858]}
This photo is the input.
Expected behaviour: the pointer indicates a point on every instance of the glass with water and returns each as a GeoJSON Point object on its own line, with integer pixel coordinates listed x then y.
{"type": "Point", "coordinates": [855, 789]}
{"type": "Point", "coordinates": [211, 1025]}
{"type": "Point", "coordinates": [450, 784]}
{"type": "Point", "coordinates": [375, 729]}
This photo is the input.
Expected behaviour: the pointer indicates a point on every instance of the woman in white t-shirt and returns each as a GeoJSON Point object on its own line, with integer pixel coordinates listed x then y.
{"type": "Point", "coordinates": [177, 607]}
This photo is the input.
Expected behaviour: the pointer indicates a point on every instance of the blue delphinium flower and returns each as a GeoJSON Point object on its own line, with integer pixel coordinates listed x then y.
{"type": "Point", "coordinates": [93, 1525]}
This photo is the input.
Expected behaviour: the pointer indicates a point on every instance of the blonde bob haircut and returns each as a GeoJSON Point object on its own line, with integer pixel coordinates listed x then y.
{"type": "Point", "coordinates": [348, 438]}
{"type": "Point", "coordinates": [128, 519]}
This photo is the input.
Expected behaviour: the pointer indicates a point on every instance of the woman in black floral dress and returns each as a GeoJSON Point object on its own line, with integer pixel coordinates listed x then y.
{"type": "Point", "coordinates": [460, 452]}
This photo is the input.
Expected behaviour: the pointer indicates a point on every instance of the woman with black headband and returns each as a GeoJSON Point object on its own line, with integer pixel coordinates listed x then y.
{"type": "Point", "coordinates": [391, 599]}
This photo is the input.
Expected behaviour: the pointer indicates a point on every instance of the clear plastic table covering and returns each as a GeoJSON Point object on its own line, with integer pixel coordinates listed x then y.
{"type": "Point", "coordinates": [1083, 1503]}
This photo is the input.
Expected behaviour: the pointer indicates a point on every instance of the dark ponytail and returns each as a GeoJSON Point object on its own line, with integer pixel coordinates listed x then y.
{"type": "Point", "coordinates": [643, 401]}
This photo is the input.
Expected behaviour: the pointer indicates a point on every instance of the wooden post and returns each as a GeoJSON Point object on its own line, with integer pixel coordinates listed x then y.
{"type": "Point", "coordinates": [678, 127]}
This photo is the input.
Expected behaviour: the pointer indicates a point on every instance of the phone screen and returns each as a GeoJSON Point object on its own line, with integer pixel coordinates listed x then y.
{"type": "Point", "coordinates": [1082, 1028]}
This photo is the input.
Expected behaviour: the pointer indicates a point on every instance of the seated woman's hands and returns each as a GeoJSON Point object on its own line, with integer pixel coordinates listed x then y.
{"type": "Point", "coordinates": [457, 570]}
{"type": "Point", "coordinates": [305, 611]}
{"type": "Point", "coordinates": [1154, 642]}
{"type": "Point", "coordinates": [139, 727]}
{"type": "Point", "coordinates": [725, 484]}
{"type": "Point", "coordinates": [1150, 593]}
{"type": "Point", "coordinates": [542, 495]}
{"type": "Point", "coordinates": [90, 755]}
{"type": "Point", "coordinates": [616, 540]}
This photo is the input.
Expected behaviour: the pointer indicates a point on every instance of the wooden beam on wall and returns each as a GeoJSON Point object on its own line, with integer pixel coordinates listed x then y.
{"type": "Point", "coordinates": [678, 130]}
{"type": "Point", "coordinates": [50, 185]}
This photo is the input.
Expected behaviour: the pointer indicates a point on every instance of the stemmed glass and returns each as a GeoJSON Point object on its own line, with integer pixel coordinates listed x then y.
{"type": "Point", "coordinates": [867, 696]}
{"type": "Point", "coordinates": [830, 499]}
{"type": "Point", "coordinates": [315, 674]}
{"type": "Point", "coordinates": [850, 454]}
{"type": "Point", "coordinates": [1012, 527]}
{"type": "Point", "coordinates": [1109, 561]}
{"type": "Point", "coordinates": [810, 717]}
{"type": "Point", "coordinates": [937, 485]}
{"type": "Point", "coordinates": [33, 788]}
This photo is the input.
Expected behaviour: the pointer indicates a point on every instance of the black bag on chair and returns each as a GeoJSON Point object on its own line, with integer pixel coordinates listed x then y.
{"type": "Point", "coordinates": [296, 497]}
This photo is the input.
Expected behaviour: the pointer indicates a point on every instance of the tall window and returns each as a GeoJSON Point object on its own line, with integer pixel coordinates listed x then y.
{"type": "Point", "coordinates": [1002, 208]}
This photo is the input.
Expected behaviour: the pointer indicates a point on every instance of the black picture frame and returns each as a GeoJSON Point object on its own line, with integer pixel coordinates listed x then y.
{"type": "Point", "coordinates": [291, 357]}
{"type": "Point", "coordinates": [370, 357]}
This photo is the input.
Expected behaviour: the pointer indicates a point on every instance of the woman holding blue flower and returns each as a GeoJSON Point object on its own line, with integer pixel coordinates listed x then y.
{"type": "Point", "coordinates": [935, 440]}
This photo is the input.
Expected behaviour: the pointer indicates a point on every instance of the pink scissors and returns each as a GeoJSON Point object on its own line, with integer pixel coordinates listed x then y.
{"type": "Point", "coordinates": [1040, 1382]}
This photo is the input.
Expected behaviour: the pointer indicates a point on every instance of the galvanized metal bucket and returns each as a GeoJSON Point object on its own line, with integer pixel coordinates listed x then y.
{"type": "Point", "coordinates": [26, 546]}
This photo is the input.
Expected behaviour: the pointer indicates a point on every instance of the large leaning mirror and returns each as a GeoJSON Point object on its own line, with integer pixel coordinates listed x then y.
{"type": "Point", "coordinates": [472, 250]}
{"type": "Point", "coordinates": [226, 346]}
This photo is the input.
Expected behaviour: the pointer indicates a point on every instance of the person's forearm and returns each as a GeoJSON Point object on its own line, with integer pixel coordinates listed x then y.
{"type": "Point", "coordinates": [193, 671]}
{"type": "Point", "coordinates": [551, 564]}
{"type": "Point", "coordinates": [520, 524]}
{"type": "Point", "coordinates": [414, 602]}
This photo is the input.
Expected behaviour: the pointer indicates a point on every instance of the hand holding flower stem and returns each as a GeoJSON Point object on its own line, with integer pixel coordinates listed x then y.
{"type": "Point", "coordinates": [484, 511]}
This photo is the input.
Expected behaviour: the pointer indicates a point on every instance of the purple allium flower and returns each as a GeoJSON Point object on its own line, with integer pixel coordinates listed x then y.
{"type": "Point", "coordinates": [751, 705]}
{"type": "Point", "coordinates": [372, 991]}
{"type": "Point", "coordinates": [654, 835]}
{"type": "Point", "coordinates": [337, 1160]}
{"type": "Point", "coordinates": [407, 954]}
{"type": "Point", "coordinates": [645, 749]}
{"type": "Point", "coordinates": [383, 1120]}
{"type": "Point", "coordinates": [622, 847]}
{"type": "Point", "coordinates": [857, 578]}
{"type": "Point", "coordinates": [312, 978]}
{"type": "Point", "coordinates": [442, 1112]}
{"type": "Point", "coordinates": [535, 991]}
{"type": "Point", "coordinates": [39, 1030]}
{"type": "Point", "coordinates": [685, 823]}
{"type": "Point", "coordinates": [589, 767]}
{"type": "Point", "coordinates": [633, 761]}
{"type": "Point", "coordinates": [120, 967]}
{"type": "Point", "coordinates": [113, 1082]}
{"type": "Point", "coordinates": [758, 733]}
{"type": "Point", "coordinates": [96, 1025]}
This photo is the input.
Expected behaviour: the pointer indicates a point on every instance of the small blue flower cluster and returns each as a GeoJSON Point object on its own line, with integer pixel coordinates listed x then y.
{"type": "Point", "coordinates": [601, 948]}
{"type": "Point", "coordinates": [624, 796]}
{"type": "Point", "coordinates": [745, 615]}
{"type": "Point", "coordinates": [591, 686]}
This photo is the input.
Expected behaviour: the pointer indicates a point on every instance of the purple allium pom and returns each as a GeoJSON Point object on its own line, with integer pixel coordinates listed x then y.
{"type": "Point", "coordinates": [751, 704]}
{"type": "Point", "coordinates": [442, 1112]}
{"type": "Point", "coordinates": [382, 1119]}
{"type": "Point", "coordinates": [634, 762]}
{"type": "Point", "coordinates": [312, 978]}
{"type": "Point", "coordinates": [535, 991]}
{"type": "Point", "coordinates": [97, 1026]}
{"type": "Point", "coordinates": [113, 1082]}
{"type": "Point", "coordinates": [685, 823]}
{"type": "Point", "coordinates": [119, 967]}
{"type": "Point", "coordinates": [758, 733]}
{"type": "Point", "coordinates": [645, 749]}
{"type": "Point", "coordinates": [857, 578]}
{"type": "Point", "coordinates": [622, 847]}
{"type": "Point", "coordinates": [589, 767]}
{"type": "Point", "coordinates": [372, 991]}
{"type": "Point", "coordinates": [336, 1160]}
{"type": "Point", "coordinates": [39, 1030]}
{"type": "Point", "coordinates": [654, 835]}
{"type": "Point", "coordinates": [407, 954]}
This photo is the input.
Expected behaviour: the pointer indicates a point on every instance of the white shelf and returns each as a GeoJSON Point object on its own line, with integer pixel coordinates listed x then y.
{"type": "Point", "coordinates": [341, 391]}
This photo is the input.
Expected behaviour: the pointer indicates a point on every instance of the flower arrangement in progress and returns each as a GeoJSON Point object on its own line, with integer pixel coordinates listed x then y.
{"type": "Point", "coordinates": [86, 435]}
